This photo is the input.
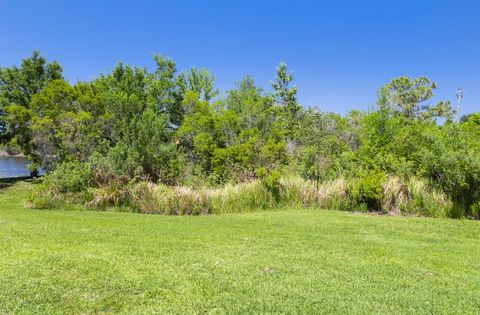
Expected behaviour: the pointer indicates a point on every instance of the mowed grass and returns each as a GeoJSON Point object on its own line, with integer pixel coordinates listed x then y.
{"type": "Point", "coordinates": [289, 261]}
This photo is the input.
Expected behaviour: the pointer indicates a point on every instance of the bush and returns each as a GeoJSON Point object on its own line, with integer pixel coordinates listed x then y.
{"type": "Point", "coordinates": [69, 177]}
{"type": "Point", "coordinates": [366, 190]}
{"type": "Point", "coordinates": [67, 185]}
{"type": "Point", "coordinates": [45, 195]}
{"type": "Point", "coordinates": [475, 210]}
{"type": "Point", "coordinates": [270, 180]}
{"type": "Point", "coordinates": [118, 164]}
{"type": "Point", "coordinates": [11, 149]}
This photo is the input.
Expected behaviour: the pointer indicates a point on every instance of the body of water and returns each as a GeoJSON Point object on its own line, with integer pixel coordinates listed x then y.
{"type": "Point", "coordinates": [14, 166]}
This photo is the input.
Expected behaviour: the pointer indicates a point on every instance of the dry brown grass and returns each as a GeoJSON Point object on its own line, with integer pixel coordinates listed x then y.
{"type": "Point", "coordinates": [398, 197]}
{"type": "Point", "coordinates": [395, 195]}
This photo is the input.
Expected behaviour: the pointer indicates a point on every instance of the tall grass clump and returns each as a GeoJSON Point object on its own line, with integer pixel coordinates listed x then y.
{"type": "Point", "coordinates": [243, 197]}
{"type": "Point", "coordinates": [180, 200]}
{"type": "Point", "coordinates": [112, 195]}
{"type": "Point", "coordinates": [296, 191]}
{"type": "Point", "coordinates": [426, 201]}
{"type": "Point", "coordinates": [334, 195]}
{"type": "Point", "coordinates": [146, 197]}
{"type": "Point", "coordinates": [414, 197]}
{"type": "Point", "coordinates": [395, 195]}
{"type": "Point", "coordinates": [367, 192]}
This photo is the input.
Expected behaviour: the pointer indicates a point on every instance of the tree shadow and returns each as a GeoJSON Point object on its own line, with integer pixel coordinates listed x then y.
{"type": "Point", "coordinates": [7, 182]}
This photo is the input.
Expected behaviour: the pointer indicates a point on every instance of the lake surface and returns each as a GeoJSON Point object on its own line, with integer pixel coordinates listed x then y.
{"type": "Point", "coordinates": [14, 166]}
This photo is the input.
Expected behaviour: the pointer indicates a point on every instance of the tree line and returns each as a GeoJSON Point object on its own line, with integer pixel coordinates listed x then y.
{"type": "Point", "coordinates": [173, 128]}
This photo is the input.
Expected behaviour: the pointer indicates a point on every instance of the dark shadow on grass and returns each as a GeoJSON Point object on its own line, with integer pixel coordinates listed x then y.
{"type": "Point", "coordinates": [7, 182]}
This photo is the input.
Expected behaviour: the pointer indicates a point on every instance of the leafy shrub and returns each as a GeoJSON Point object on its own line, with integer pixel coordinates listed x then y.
{"type": "Point", "coordinates": [270, 180]}
{"type": "Point", "coordinates": [44, 195]}
{"type": "Point", "coordinates": [475, 210]}
{"type": "Point", "coordinates": [315, 166]}
{"type": "Point", "coordinates": [69, 177]}
{"type": "Point", "coordinates": [118, 164]}
{"type": "Point", "coordinates": [11, 149]}
{"type": "Point", "coordinates": [366, 190]}
{"type": "Point", "coordinates": [309, 168]}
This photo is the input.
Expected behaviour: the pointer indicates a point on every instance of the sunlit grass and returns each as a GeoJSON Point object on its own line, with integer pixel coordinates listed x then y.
{"type": "Point", "coordinates": [290, 261]}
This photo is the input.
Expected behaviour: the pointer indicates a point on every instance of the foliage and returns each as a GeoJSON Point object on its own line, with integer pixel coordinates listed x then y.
{"type": "Point", "coordinates": [406, 97]}
{"type": "Point", "coordinates": [286, 97]}
{"type": "Point", "coordinates": [270, 180]}
{"type": "Point", "coordinates": [17, 87]}
{"type": "Point", "coordinates": [370, 192]}
{"type": "Point", "coordinates": [366, 190]}
{"type": "Point", "coordinates": [69, 177]}
{"type": "Point", "coordinates": [174, 129]}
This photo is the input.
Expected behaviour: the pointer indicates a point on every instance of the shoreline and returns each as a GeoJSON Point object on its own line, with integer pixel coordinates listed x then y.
{"type": "Point", "coordinates": [5, 154]}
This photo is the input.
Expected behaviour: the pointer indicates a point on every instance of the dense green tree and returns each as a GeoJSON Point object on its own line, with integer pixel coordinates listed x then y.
{"type": "Point", "coordinates": [405, 96]}
{"type": "Point", "coordinates": [19, 84]}
{"type": "Point", "coordinates": [61, 127]}
{"type": "Point", "coordinates": [141, 112]}
{"type": "Point", "coordinates": [251, 106]}
{"type": "Point", "coordinates": [286, 97]}
{"type": "Point", "coordinates": [325, 138]}
{"type": "Point", "coordinates": [167, 90]}
{"type": "Point", "coordinates": [199, 81]}
{"type": "Point", "coordinates": [472, 120]}
{"type": "Point", "coordinates": [17, 87]}
{"type": "Point", "coordinates": [199, 133]}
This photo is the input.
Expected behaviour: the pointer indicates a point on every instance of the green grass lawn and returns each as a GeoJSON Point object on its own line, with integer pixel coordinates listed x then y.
{"type": "Point", "coordinates": [294, 261]}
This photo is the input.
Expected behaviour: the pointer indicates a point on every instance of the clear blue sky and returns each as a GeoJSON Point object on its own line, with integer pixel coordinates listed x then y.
{"type": "Point", "coordinates": [341, 52]}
